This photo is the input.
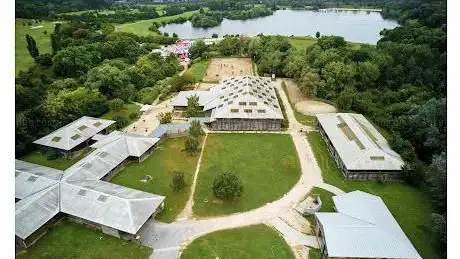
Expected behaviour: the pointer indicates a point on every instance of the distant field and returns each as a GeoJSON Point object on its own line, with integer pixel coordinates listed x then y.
{"type": "Point", "coordinates": [142, 27]}
{"type": "Point", "coordinates": [22, 56]}
{"type": "Point", "coordinates": [299, 42]}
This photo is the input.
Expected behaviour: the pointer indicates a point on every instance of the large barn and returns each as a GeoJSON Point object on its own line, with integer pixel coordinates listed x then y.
{"type": "Point", "coordinates": [360, 151]}
{"type": "Point", "coordinates": [238, 103]}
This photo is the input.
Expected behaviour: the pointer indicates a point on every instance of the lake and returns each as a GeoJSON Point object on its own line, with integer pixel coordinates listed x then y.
{"type": "Point", "coordinates": [355, 26]}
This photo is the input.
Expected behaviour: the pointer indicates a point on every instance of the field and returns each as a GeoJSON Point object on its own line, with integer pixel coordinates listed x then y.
{"type": "Point", "coordinates": [142, 27]}
{"type": "Point", "coordinates": [410, 206]}
{"type": "Point", "coordinates": [267, 165]}
{"type": "Point", "coordinates": [199, 69]}
{"type": "Point", "coordinates": [22, 57]}
{"type": "Point", "coordinates": [127, 109]}
{"type": "Point", "coordinates": [71, 240]}
{"type": "Point", "coordinates": [61, 163]}
{"type": "Point", "coordinates": [257, 241]}
{"type": "Point", "coordinates": [167, 158]}
{"type": "Point", "coordinates": [221, 68]}
{"type": "Point", "coordinates": [302, 42]}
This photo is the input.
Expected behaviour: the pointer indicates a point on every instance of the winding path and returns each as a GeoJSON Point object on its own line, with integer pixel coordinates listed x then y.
{"type": "Point", "coordinates": [168, 239]}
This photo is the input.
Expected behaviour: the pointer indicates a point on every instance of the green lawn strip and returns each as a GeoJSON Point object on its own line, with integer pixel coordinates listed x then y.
{"type": "Point", "coordinates": [23, 59]}
{"type": "Point", "coordinates": [267, 165]}
{"type": "Point", "coordinates": [128, 108]}
{"type": "Point", "coordinates": [142, 27]}
{"type": "Point", "coordinates": [168, 157]}
{"type": "Point", "coordinates": [326, 206]}
{"type": "Point", "coordinates": [301, 42]}
{"type": "Point", "coordinates": [71, 240]}
{"type": "Point", "coordinates": [62, 163]}
{"type": "Point", "coordinates": [314, 253]}
{"type": "Point", "coordinates": [257, 241]}
{"type": "Point", "coordinates": [307, 120]}
{"type": "Point", "coordinates": [410, 206]}
{"type": "Point", "coordinates": [199, 69]}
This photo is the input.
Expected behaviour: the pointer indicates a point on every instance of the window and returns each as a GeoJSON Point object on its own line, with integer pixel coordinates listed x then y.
{"type": "Point", "coordinates": [75, 137]}
{"type": "Point", "coordinates": [231, 94]}
{"type": "Point", "coordinates": [32, 178]}
{"type": "Point", "coordinates": [253, 103]}
{"type": "Point", "coordinates": [264, 94]}
{"type": "Point", "coordinates": [242, 103]}
{"type": "Point", "coordinates": [235, 96]}
{"type": "Point", "coordinates": [251, 93]}
{"type": "Point", "coordinates": [234, 110]}
{"type": "Point", "coordinates": [230, 102]}
{"type": "Point", "coordinates": [82, 127]}
{"type": "Point", "coordinates": [261, 111]}
{"type": "Point", "coordinates": [241, 90]}
{"type": "Point", "coordinates": [274, 105]}
{"type": "Point", "coordinates": [226, 99]}
{"type": "Point", "coordinates": [82, 192]}
{"type": "Point", "coordinates": [273, 97]}
{"type": "Point", "coordinates": [102, 198]}
{"type": "Point", "coordinates": [97, 123]}
{"type": "Point", "coordinates": [247, 110]}
{"type": "Point", "coordinates": [260, 96]}
{"type": "Point", "coordinates": [221, 97]}
{"type": "Point", "coordinates": [220, 105]}
{"type": "Point", "coordinates": [56, 139]}
{"type": "Point", "coordinates": [266, 102]}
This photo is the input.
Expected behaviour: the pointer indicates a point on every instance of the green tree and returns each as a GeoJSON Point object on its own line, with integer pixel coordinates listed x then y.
{"type": "Point", "coordinates": [192, 106]}
{"type": "Point", "coordinates": [318, 34]}
{"type": "Point", "coordinates": [165, 117]}
{"type": "Point", "coordinates": [339, 75]}
{"type": "Point", "coordinates": [107, 28]}
{"type": "Point", "coordinates": [76, 61]}
{"type": "Point", "coordinates": [111, 82]}
{"type": "Point", "coordinates": [195, 129]}
{"type": "Point", "coordinates": [32, 47]}
{"type": "Point", "coordinates": [227, 186]}
{"type": "Point", "coordinates": [115, 104]}
{"type": "Point", "coordinates": [437, 178]}
{"type": "Point", "coordinates": [178, 181]}
{"type": "Point", "coordinates": [192, 145]}
{"type": "Point", "coordinates": [197, 49]}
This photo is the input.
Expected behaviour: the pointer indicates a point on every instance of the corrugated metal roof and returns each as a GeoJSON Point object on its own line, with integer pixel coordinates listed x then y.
{"type": "Point", "coordinates": [358, 143]}
{"type": "Point", "coordinates": [363, 227]}
{"type": "Point", "coordinates": [74, 133]}
{"type": "Point", "coordinates": [31, 178]}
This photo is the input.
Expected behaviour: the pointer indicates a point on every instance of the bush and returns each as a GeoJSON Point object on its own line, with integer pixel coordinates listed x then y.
{"type": "Point", "coordinates": [214, 35]}
{"type": "Point", "coordinates": [192, 145]}
{"type": "Point", "coordinates": [178, 181]}
{"type": "Point", "coordinates": [227, 186]}
{"type": "Point", "coordinates": [195, 129]}
{"type": "Point", "coordinates": [121, 122]}
{"type": "Point", "coordinates": [45, 60]}
{"type": "Point", "coordinates": [52, 154]}
{"type": "Point", "coordinates": [165, 117]}
{"type": "Point", "coordinates": [134, 115]}
{"type": "Point", "coordinates": [382, 178]}
{"type": "Point", "coordinates": [115, 104]}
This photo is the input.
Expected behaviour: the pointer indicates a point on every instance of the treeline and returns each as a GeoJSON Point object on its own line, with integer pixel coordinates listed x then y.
{"type": "Point", "coordinates": [86, 74]}
{"type": "Point", "coordinates": [49, 8]}
{"type": "Point", "coordinates": [215, 15]}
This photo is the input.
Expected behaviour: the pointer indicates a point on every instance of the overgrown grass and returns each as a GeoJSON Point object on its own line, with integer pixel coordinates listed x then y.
{"type": "Point", "coordinates": [257, 241]}
{"type": "Point", "coordinates": [23, 59]}
{"type": "Point", "coordinates": [127, 109]}
{"type": "Point", "coordinates": [410, 206]}
{"type": "Point", "coordinates": [142, 27]}
{"type": "Point", "coordinates": [61, 163]}
{"type": "Point", "coordinates": [285, 122]}
{"type": "Point", "coordinates": [71, 240]}
{"type": "Point", "coordinates": [307, 120]}
{"type": "Point", "coordinates": [314, 253]}
{"type": "Point", "coordinates": [167, 158]}
{"type": "Point", "coordinates": [301, 42]}
{"type": "Point", "coordinates": [199, 69]}
{"type": "Point", "coordinates": [267, 165]}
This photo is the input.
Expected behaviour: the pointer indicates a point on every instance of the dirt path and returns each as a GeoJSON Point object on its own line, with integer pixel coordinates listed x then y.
{"type": "Point", "coordinates": [303, 104]}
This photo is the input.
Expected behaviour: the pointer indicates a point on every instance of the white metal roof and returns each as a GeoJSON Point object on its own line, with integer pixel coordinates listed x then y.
{"type": "Point", "coordinates": [74, 133]}
{"type": "Point", "coordinates": [358, 143]}
{"type": "Point", "coordinates": [79, 191]}
{"type": "Point", "coordinates": [363, 227]}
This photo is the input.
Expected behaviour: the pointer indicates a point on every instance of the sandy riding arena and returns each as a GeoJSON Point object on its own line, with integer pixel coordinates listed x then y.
{"type": "Point", "coordinates": [303, 104]}
{"type": "Point", "coordinates": [221, 68]}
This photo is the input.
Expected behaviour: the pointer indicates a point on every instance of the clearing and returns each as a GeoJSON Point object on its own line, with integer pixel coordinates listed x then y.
{"type": "Point", "coordinates": [221, 68]}
{"type": "Point", "coordinates": [410, 206]}
{"type": "Point", "coordinates": [160, 165]}
{"type": "Point", "coordinates": [71, 240]}
{"type": "Point", "coordinates": [267, 165]}
{"type": "Point", "coordinates": [257, 241]}
{"type": "Point", "coordinates": [127, 109]}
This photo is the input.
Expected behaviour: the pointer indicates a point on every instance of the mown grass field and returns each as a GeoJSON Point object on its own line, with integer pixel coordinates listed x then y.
{"type": "Point", "coordinates": [142, 27]}
{"type": "Point", "coordinates": [267, 165]}
{"type": "Point", "coordinates": [199, 69]}
{"type": "Point", "coordinates": [72, 240]}
{"type": "Point", "coordinates": [257, 241]}
{"type": "Point", "coordinates": [23, 59]}
{"type": "Point", "coordinates": [410, 206]}
{"type": "Point", "coordinates": [160, 165]}
{"type": "Point", "coordinates": [61, 163]}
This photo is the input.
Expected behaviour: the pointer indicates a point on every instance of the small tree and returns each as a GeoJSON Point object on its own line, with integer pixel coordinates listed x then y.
{"type": "Point", "coordinates": [195, 129]}
{"type": "Point", "coordinates": [188, 76]}
{"type": "Point", "coordinates": [121, 122]}
{"type": "Point", "coordinates": [318, 34]}
{"type": "Point", "coordinates": [134, 115]}
{"type": "Point", "coordinates": [192, 106]}
{"type": "Point", "coordinates": [227, 186]}
{"type": "Point", "coordinates": [165, 117]}
{"type": "Point", "coordinates": [178, 181]}
{"type": "Point", "coordinates": [175, 35]}
{"type": "Point", "coordinates": [32, 47]}
{"type": "Point", "coordinates": [215, 35]}
{"type": "Point", "coordinates": [115, 104]}
{"type": "Point", "coordinates": [192, 145]}
{"type": "Point", "coordinates": [166, 34]}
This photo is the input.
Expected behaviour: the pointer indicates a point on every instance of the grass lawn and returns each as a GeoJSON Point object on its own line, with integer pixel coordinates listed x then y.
{"type": "Point", "coordinates": [61, 163]}
{"type": "Point", "coordinates": [22, 57]}
{"type": "Point", "coordinates": [72, 240]}
{"type": "Point", "coordinates": [267, 165]}
{"type": "Point", "coordinates": [167, 158]}
{"type": "Point", "coordinates": [410, 206]}
{"type": "Point", "coordinates": [128, 108]}
{"type": "Point", "coordinates": [307, 120]}
{"type": "Point", "coordinates": [314, 253]}
{"type": "Point", "coordinates": [142, 27]}
{"type": "Point", "coordinates": [302, 42]}
{"type": "Point", "coordinates": [257, 241]}
{"type": "Point", "coordinates": [326, 206]}
{"type": "Point", "coordinates": [199, 69]}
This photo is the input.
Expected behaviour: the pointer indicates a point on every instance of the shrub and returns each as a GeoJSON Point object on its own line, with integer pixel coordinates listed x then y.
{"type": "Point", "coordinates": [285, 121]}
{"type": "Point", "coordinates": [214, 35]}
{"type": "Point", "coordinates": [134, 115]}
{"type": "Point", "coordinates": [52, 154]}
{"type": "Point", "coordinates": [178, 181]}
{"type": "Point", "coordinates": [165, 117]}
{"type": "Point", "coordinates": [115, 104]}
{"type": "Point", "coordinates": [192, 145]}
{"type": "Point", "coordinates": [188, 76]}
{"type": "Point", "coordinates": [45, 60]}
{"type": "Point", "coordinates": [195, 129]}
{"type": "Point", "coordinates": [382, 178]}
{"type": "Point", "coordinates": [121, 122]}
{"type": "Point", "coordinates": [227, 186]}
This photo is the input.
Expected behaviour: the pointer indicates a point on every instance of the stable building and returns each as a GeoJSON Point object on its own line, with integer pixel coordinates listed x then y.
{"type": "Point", "coordinates": [44, 194]}
{"type": "Point", "coordinates": [359, 150]}
{"type": "Point", "coordinates": [238, 103]}
{"type": "Point", "coordinates": [362, 227]}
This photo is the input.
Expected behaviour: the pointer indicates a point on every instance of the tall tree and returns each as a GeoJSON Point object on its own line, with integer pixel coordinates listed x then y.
{"type": "Point", "coordinates": [32, 47]}
{"type": "Point", "coordinates": [192, 106]}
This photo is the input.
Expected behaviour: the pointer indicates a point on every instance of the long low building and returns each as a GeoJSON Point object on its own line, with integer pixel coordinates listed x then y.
{"type": "Point", "coordinates": [80, 192]}
{"type": "Point", "coordinates": [360, 151]}
{"type": "Point", "coordinates": [362, 227]}
{"type": "Point", "coordinates": [238, 103]}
